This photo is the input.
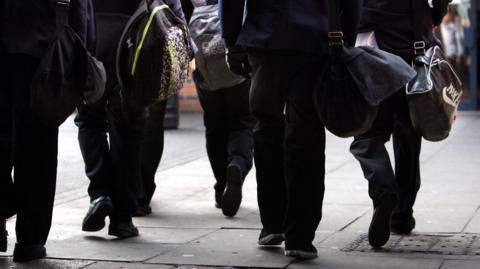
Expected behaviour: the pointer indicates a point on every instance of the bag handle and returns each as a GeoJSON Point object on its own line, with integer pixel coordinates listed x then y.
{"type": "Point", "coordinates": [419, 45]}
{"type": "Point", "coordinates": [62, 8]}
{"type": "Point", "coordinates": [335, 33]}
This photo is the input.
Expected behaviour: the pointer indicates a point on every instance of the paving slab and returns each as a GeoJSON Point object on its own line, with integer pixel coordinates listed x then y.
{"type": "Point", "coordinates": [445, 219]}
{"type": "Point", "coordinates": [460, 264]}
{"type": "Point", "coordinates": [103, 249]}
{"type": "Point", "coordinates": [149, 235]}
{"type": "Point", "coordinates": [225, 248]}
{"type": "Point", "coordinates": [7, 263]}
{"type": "Point", "coordinates": [124, 265]}
{"type": "Point", "coordinates": [364, 262]}
{"type": "Point", "coordinates": [474, 225]}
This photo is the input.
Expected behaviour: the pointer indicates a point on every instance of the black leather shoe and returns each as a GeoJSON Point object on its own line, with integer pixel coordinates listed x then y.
{"type": "Point", "coordinates": [25, 253]}
{"type": "Point", "coordinates": [122, 230]}
{"type": "Point", "coordinates": [232, 197]}
{"type": "Point", "coordinates": [218, 198]}
{"type": "Point", "coordinates": [3, 235]}
{"type": "Point", "coordinates": [379, 230]}
{"type": "Point", "coordinates": [270, 239]}
{"type": "Point", "coordinates": [99, 209]}
{"type": "Point", "coordinates": [143, 210]}
{"type": "Point", "coordinates": [403, 228]}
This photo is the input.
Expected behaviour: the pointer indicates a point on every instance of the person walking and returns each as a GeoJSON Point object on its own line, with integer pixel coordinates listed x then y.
{"type": "Point", "coordinates": [393, 190]}
{"type": "Point", "coordinates": [287, 47]}
{"type": "Point", "coordinates": [228, 122]}
{"type": "Point", "coordinates": [113, 165]}
{"type": "Point", "coordinates": [27, 144]}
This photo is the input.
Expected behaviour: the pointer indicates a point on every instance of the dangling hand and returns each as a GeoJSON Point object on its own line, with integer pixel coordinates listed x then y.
{"type": "Point", "coordinates": [237, 60]}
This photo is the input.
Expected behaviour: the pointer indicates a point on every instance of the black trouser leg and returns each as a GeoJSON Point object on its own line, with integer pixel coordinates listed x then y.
{"type": "Point", "coordinates": [92, 137]}
{"type": "Point", "coordinates": [229, 125]}
{"type": "Point", "coordinates": [407, 144]}
{"type": "Point", "coordinates": [369, 149]}
{"type": "Point", "coordinates": [267, 102]}
{"type": "Point", "coordinates": [216, 133]}
{"type": "Point", "coordinates": [240, 126]}
{"type": "Point", "coordinates": [304, 151]}
{"type": "Point", "coordinates": [35, 158]}
{"type": "Point", "coordinates": [126, 134]}
{"type": "Point", "coordinates": [152, 150]}
{"type": "Point", "coordinates": [6, 158]}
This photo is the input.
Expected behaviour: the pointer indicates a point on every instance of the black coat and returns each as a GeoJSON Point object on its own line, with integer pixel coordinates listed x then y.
{"type": "Point", "coordinates": [284, 24]}
{"type": "Point", "coordinates": [392, 22]}
{"type": "Point", "coordinates": [28, 26]}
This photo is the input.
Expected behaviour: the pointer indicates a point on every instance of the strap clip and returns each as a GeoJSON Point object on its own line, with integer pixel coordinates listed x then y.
{"type": "Point", "coordinates": [419, 47]}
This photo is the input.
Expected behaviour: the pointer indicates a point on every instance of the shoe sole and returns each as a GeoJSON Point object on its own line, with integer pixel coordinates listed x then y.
{"type": "Point", "coordinates": [271, 240]}
{"type": "Point", "coordinates": [232, 197]}
{"type": "Point", "coordinates": [301, 254]}
{"type": "Point", "coordinates": [122, 234]}
{"type": "Point", "coordinates": [379, 230]}
{"type": "Point", "coordinates": [96, 221]}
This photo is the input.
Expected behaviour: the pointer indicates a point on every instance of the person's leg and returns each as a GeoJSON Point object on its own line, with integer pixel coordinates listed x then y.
{"type": "Point", "coordinates": [92, 125]}
{"type": "Point", "coordinates": [216, 134]}
{"type": "Point", "coordinates": [6, 162]}
{"type": "Point", "coordinates": [267, 103]}
{"type": "Point", "coordinates": [126, 135]}
{"type": "Point", "coordinates": [369, 149]}
{"type": "Point", "coordinates": [35, 165]}
{"type": "Point", "coordinates": [240, 124]}
{"type": "Point", "coordinates": [407, 144]}
{"type": "Point", "coordinates": [304, 156]}
{"type": "Point", "coordinates": [93, 140]}
{"type": "Point", "coordinates": [151, 154]}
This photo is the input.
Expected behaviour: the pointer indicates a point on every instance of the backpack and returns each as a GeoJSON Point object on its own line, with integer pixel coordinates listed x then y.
{"type": "Point", "coordinates": [205, 29]}
{"type": "Point", "coordinates": [67, 75]}
{"type": "Point", "coordinates": [152, 55]}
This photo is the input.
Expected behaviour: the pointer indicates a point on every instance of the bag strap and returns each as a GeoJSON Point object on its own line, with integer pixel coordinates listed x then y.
{"type": "Point", "coordinates": [335, 33]}
{"type": "Point", "coordinates": [419, 45]}
{"type": "Point", "coordinates": [62, 8]}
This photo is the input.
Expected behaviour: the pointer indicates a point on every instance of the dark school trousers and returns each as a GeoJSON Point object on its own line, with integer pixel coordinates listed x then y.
{"type": "Point", "coordinates": [289, 148]}
{"type": "Point", "coordinates": [229, 129]}
{"type": "Point", "coordinates": [30, 148]}
{"type": "Point", "coordinates": [113, 162]}
{"type": "Point", "coordinates": [151, 152]}
{"type": "Point", "coordinates": [402, 181]}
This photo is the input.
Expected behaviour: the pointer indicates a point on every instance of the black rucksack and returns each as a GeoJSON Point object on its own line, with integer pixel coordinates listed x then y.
{"type": "Point", "coordinates": [152, 55]}
{"type": "Point", "coordinates": [205, 29]}
{"type": "Point", "coordinates": [67, 74]}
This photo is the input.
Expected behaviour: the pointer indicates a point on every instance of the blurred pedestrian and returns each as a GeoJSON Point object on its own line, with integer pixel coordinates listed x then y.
{"type": "Point", "coordinates": [113, 163]}
{"type": "Point", "coordinates": [226, 114]}
{"type": "Point", "coordinates": [285, 43]}
{"type": "Point", "coordinates": [393, 190]}
{"type": "Point", "coordinates": [27, 144]}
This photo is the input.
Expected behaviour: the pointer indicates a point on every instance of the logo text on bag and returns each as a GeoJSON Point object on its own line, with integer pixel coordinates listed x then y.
{"type": "Point", "coordinates": [451, 95]}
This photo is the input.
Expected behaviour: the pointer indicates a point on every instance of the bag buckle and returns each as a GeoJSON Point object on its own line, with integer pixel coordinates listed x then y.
{"type": "Point", "coordinates": [63, 3]}
{"type": "Point", "coordinates": [419, 47]}
{"type": "Point", "coordinates": [335, 38]}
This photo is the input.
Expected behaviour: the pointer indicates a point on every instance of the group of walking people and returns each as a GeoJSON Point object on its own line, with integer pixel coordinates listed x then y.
{"type": "Point", "coordinates": [269, 117]}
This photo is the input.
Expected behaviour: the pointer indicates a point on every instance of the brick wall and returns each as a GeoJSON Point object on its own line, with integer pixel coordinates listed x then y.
{"type": "Point", "coordinates": [188, 99]}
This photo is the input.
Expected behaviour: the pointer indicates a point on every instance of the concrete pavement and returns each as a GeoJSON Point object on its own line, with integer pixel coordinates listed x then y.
{"type": "Point", "coordinates": [186, 231]}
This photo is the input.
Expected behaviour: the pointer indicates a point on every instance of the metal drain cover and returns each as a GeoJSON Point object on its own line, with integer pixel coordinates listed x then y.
{"type": "Point", "coordinates": [443, 244]}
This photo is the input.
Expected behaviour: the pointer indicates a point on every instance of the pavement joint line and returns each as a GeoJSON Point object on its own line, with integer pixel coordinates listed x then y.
{"type": "Point", "coordinates": [442, 263]}
{"type": "Point", "coordinates": [353, 221]}
{"type": "Point", "coordinates": [470, 219]}
{"type": "Point", "coordinates": [202, 236]}
{"type": "Point", "coordinates": [339, 166]}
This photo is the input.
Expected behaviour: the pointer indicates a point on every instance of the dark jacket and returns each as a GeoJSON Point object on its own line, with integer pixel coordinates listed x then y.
{"type": "Point", "coordinates": [392, 22]}
{"type": "Point", "coordinates": [29, 25]}
{"type": "Point", "coordinates": [284, 24]}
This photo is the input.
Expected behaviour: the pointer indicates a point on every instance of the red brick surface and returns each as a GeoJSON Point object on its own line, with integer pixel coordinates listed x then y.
{"type": "Point", "coordinates": [188, 98]}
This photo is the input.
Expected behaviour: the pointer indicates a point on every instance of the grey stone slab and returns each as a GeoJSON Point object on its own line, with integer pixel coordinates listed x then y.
{"type": "Point", "coordinates": [442, 219]}
{"type": "Point", "coordinates": [123, 265]}
{"type": "Point", "coordinates": [365, 262]}
{"type": "Point", "coordinates": [168, 235]}
{"type": "Point", "coordinates": [337, 216]}
{"type": "Point", "coordinates": [474, 225]}
{"type": "Point", "coordinates": [98, 248]}
{"type": "Point", "coordinates": [44, 264]}
{"type": "Point", "coordinates": [460, 264]}
{"type": "Point", "coordinates": [225, 248]}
